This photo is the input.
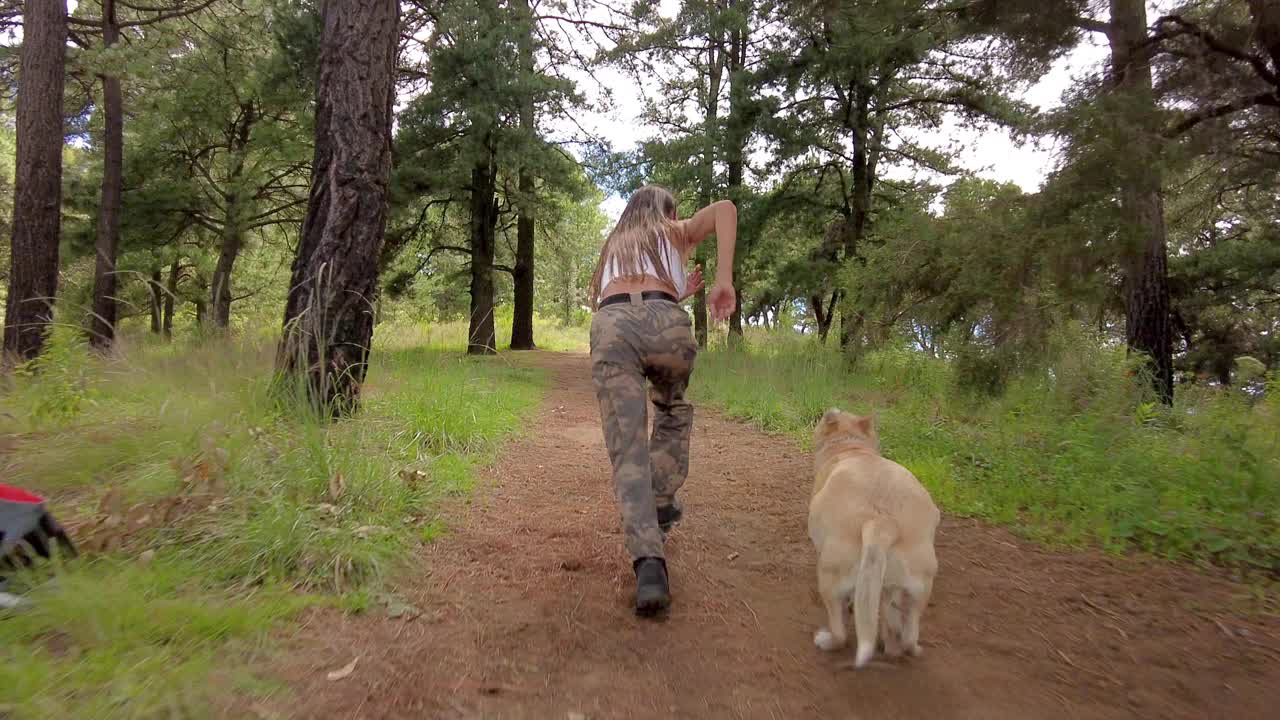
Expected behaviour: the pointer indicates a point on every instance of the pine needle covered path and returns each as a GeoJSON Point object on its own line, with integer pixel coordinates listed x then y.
{"type": "Point", "coordinates": [521, 611]}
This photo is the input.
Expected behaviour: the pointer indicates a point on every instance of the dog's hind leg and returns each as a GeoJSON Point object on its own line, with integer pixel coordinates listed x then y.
{"type": "Point", "coordinates": [835, 586]}
{"type": "Point", "coordinates": [891, 621]}
{"type": "Point", "coordinates": [914, 601]}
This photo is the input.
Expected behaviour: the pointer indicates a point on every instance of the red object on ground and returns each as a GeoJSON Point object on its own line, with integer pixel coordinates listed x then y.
{"type": "Point", "coordinates": [13, 494]}
{"type": "Point", "coordinates": [24, 518]}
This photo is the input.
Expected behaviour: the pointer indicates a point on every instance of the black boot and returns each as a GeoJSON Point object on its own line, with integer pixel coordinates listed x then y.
{"type": "Point", "coordinates": [652, 593]}
{"type": "Point", "coordinates": [668, 517]}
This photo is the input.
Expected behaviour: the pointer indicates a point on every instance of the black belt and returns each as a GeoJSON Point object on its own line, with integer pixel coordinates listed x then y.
{"type": "Point", "coordinates": [646, 295]}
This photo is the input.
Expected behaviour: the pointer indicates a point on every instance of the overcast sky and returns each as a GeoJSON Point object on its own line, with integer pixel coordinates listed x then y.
{"type": "Point", "coordinates": [991, 153]}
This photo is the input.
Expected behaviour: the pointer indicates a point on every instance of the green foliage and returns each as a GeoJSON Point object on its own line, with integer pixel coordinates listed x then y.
{"type": "Point", "coordinates": [58, 382]}
{"type": "Point", "coordinates": [1074, 453]}
{"type": "Point", "coordinates": [116, 638]}
{"type": "Point", "coordinates": [429, 278]}
{"type": "Point", "coordinates": [296, 506]}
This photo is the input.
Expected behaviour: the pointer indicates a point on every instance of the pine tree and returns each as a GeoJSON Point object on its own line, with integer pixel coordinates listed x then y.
{"type": "Point", "coordinates": [37, 205]}
{"type": "Point", "coordinates": [328, 322]}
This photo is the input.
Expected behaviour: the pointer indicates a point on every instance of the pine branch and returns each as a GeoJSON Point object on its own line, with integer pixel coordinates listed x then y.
{"type": "Point", "coordinates": [1269, 99]}
{"type": "Point", "coordinates": [1186, 27]}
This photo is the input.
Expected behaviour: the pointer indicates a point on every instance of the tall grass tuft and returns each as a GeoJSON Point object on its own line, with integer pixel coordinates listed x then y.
{"type": "Point", "coordinates": [1075, 453]}
{"type": "Point", "coordinates": [277, 507]}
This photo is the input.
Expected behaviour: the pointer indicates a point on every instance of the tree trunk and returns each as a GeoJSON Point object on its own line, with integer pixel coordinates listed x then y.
{"type": "Point", "coordinates": [856, 227]}
{"type": "Point", "coordinates": [155, 293]}
{"type": "Point", "coordinates": [824, 316]}
{"type": "Point", "coordinates": [481, 337]}
{"type": "Point", "coordinates": [1145, 251]}
{"type": "Point", "coordinates": [170, 297]}
{"type": "Point", "coordinates": [735, 321]}
{"type": "Point", "coordinates": [37, 200]}
{"type": "Point", "coordinates": [522, 322]}
{"type": "Point", "coordinates": [735, 145]}
{"type": "Point", "coordinates": [700, 320]}
{"type": "Point", "coordinates": [102, 325]}
{"type": "Point", "coordinates": [232, 231]}
{"type": "Point", "coordinates": [522, 277]}
{"type": "Point", "coordinates": [567, 294]}
{"type": "Point", "coordinates": [1266, 28]}
{"type": "Point", "coordinates": [711, 113]}
{"type": "Point", "coordinates": [328, 321]}
{"type": "Point", "coordinates": [220, 287]}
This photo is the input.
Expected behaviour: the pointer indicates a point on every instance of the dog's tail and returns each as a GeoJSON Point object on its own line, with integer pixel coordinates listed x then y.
{"type": "Point", "coordinates": [878, 535]}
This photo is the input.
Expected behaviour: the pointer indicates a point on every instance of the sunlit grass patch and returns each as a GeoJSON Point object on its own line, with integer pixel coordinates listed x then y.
{"type": "Point", "coordinates": [1072, 455]}
{"type": "Point", "coordinates": [275, 508]}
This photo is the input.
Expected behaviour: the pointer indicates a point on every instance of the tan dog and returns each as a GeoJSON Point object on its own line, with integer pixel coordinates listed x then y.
{"type": "Point", "coordinates": [873, 525]}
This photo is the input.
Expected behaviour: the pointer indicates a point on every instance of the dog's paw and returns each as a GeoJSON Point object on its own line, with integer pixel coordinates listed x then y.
{"type": "Point", "coordinates": [865, 652]}
{"type": "Point", "coordinates": [891, 644]}
{"type": "Point", "coordinates": [826, 641]}
{"type": "Point", "coordinates": [915, 650]}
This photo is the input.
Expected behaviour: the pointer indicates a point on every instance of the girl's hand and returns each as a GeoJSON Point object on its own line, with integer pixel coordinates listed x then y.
{"type": "Point", "coordinates": [693, 284]}
{"type": "Point", "coordinates": [723, 300]}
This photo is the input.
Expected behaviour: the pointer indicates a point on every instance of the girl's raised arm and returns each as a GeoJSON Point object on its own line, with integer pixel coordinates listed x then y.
{"type": "Point", "coordinates": [721, 218]}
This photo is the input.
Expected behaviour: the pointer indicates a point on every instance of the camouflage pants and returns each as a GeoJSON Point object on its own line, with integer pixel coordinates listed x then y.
{"type": "Point", "coordinates": [634, 344]}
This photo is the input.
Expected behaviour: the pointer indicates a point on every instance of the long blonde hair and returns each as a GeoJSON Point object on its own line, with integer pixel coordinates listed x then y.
{"type": "Point", "coordinates": [650, 215]}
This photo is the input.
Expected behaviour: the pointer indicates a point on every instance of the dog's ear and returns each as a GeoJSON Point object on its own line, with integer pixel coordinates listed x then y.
{"type": "Point", "coordinates": [865, 425]}
{"type": "Point", "coordinates": [831, 415]}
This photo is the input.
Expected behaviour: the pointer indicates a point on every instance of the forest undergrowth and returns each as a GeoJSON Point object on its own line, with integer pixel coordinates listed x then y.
{"type": "Point", "coordinates": [1074, 454]}
{"type": "Point", "coordinates": [209, 513]}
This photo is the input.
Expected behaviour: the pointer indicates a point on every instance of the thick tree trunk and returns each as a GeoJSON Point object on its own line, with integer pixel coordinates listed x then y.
{"type": "Point", "coordinates": [522, 277]}
{"type": "Point", "coordinates": [522, 322]}
{"type": "Point", "coordinates": [102, 324]}
{"type": "Point", "coordinates": [170, 298]}
{"type": "Point", "coordinates": [37, 201]}
{"type": "Point", "coordinates": [1145, 251]}
{"type": "Point", "coordinates": [232, 231]}
{"type": "Point", "coordinates": [481, 337]}
{"type": "Point", "coordinates": [328, 321]}
{"type": "Point", "coordinates": [156, 293]}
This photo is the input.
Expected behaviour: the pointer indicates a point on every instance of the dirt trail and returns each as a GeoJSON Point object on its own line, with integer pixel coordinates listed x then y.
{"type": "Point", "coordinates": [526, 610]}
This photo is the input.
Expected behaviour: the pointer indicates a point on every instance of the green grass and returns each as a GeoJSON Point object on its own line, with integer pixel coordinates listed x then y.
{"type": "Point", "coordinates": [547, 334]}
{"type": "Point", "coordinates": [303, 512]}
{"type": "Point", "coordinates": [1074, 455]}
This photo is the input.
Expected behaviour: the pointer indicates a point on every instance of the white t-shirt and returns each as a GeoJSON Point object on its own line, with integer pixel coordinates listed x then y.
{"type": "Point", "coordinates": [670, 257]}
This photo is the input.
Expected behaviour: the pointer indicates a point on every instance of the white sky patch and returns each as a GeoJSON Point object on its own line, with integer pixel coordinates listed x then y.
{"type": "Point", "coordinates": [989, 152]}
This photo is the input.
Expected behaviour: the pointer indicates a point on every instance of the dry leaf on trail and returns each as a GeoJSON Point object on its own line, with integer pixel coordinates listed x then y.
{"type": "Point", "coordinates": [397, 610]}
{"type": "Point", "coordinates": [112, 502]}
{"type": "Point", "coordinates": [344, 671]}
{"type": "Point", "coordinates": [412, 477]}
{"type": "Point", "coordinates": [337, 486]}
{"type": "Point", "coordinates": [221, 457]}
